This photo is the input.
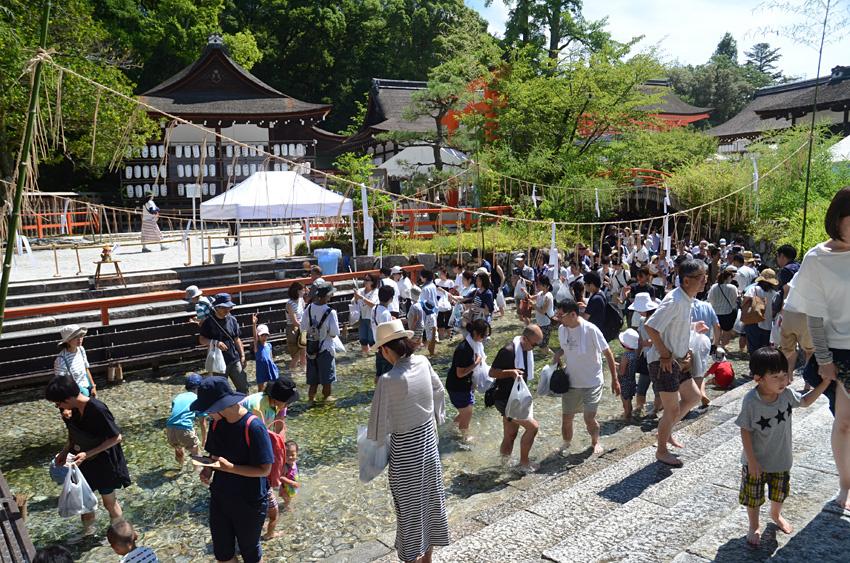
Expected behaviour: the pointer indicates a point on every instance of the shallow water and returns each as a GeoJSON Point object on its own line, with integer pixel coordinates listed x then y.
{"type": "Point", "coordinates": [334, 511]}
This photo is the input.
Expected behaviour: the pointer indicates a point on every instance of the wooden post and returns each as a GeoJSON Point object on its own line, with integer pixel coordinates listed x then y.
{"type": "Point", "coordinates": [189, 250]}
{"type": "Point", "coordinates": [291, 252]}
{"type": "Point", "coordinates": [56, 261]}
{"type": "Point", "coordinates": [79, 266]}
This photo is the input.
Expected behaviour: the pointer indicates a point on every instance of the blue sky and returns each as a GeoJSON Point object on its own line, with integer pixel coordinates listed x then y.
{"type": "Point", "coordinates": [688, 30]}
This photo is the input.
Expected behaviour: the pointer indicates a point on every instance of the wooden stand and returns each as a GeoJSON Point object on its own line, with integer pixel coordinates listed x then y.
{"type": "Point", "coordinates": [118, 275]}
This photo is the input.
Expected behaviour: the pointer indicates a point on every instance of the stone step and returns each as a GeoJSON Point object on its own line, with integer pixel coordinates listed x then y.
{"type": "Point", "coordinates": [636, 509]}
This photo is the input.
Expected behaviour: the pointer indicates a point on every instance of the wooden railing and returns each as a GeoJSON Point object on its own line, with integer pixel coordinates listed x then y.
{"type": "Point", "coordinates": [105, 304]}
{"type": "Point", "coordinates": [39, 222]}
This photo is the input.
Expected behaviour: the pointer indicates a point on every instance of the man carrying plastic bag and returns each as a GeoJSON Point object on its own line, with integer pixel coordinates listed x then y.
{"type": "Point", "coordinates": [76, 497]}
{"type": "Point", "coordinates": [516, 362]}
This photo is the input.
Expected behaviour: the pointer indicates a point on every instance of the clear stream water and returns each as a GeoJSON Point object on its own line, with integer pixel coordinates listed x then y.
{"type": "Point", "coordinates": [334, 511]}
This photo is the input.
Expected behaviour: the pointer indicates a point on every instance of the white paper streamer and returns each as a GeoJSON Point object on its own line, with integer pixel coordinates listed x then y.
{"type": "Point", "coordinates": [26, 242]}
{"type": "Point", "coordinates": [307, 234]}
{"type": "Point", "coordinates": [756, 185]}
{"type": "Point", "coordinates": [666, 237]}
{"type": "Point", "coordinates": [553, 252]}
{"type": "Point", "coordinates": [186, 234]}
{"type": "Point", "coordinates": [115, 249]}
{"type": "Point", "coordinates": [534, 195]}
{"type": "Point", "coordinates": [598, 213]}
{"type": "Point", "coordinates": [63, 220]}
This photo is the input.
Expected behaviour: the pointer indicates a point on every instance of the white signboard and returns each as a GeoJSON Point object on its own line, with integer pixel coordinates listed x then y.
{"type": "Point", "coordinates": [193, 190]}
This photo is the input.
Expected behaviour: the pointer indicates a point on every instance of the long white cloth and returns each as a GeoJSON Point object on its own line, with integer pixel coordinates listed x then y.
{"type": "Point", "coordinates": [518, 363]}
{"type": "Point", "coordinates": [477, 347]}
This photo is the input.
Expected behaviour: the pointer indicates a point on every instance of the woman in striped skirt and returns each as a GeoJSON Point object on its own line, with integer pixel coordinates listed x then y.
{"type": "Point", "coordinates": [407, 400]}
{"type": "Point", "coordinates": [150, 230]}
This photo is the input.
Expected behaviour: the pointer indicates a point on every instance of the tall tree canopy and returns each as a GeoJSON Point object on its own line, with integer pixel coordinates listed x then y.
{"type": "Point", "coordinates": [82, 45]}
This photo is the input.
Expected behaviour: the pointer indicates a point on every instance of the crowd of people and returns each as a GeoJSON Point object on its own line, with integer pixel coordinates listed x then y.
{"type": "Point", "coordinates": [673, 306]}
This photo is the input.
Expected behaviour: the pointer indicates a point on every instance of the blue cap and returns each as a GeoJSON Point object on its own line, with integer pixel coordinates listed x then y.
{"type": "Point", "coordinates": [215, 395]}
{"type": "Point", "coordinates": [193, 381]}
{"type": "Point", "coordinates": [222, 300]}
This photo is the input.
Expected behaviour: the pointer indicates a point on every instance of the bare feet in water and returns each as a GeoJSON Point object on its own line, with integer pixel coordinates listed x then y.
{"type": "Point", "coordinates": [267, 537]}
{"type": "Point", "coordinates": [563, 449]}
{"type": "Point", "coordinates": [754, 537]}
{"type": "Point", "coordinates": [782, 523]}
{"type": "Point", "coordinates": [530, 467]}
{"type": "Point", "coordinates": [597, 448]}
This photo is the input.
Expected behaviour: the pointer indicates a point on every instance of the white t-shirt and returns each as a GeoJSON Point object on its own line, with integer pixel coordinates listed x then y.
{"type": "Point", "coordinates": [745, 277]}
{"type": "Point", "coordinates": [394, 303]}
{"type": "Point", "coordinates": [546, 302]}
{"type": "Point", "coordinates": [365, 308]}
{"type": "Point", "coordinates": [330, 328]}
{"type": "Point", "coordinates": [458, 281]}
{"type": "Point", "coordinates": [380, 314]}
{"type": "Point", "coordinates": [429, 294]}
{"type": "Point", "coordinates": [820, 289]}
{"type": "Point", "coordinates": [74, 365]}
{"type": "Point", "coordinates": [672, 320]}
{"type": "Point", "coordinates": [150, 206]}
{"type": "Point", "coordinates": [584, 368]}
{"type": "Point", "coordinates": [404, 287]}
{"type": "Point", "coordinates": [767, 323]}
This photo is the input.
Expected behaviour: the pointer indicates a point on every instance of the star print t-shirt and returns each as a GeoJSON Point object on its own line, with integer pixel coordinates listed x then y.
{"type": "Point", "coordinates": [770, 427]}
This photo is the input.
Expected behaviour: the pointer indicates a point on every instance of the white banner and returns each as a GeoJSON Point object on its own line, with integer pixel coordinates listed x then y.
{"type": "Point", "coordinates": [63, 220]}
{"type": "Point", "coordinates": [553, 251]}
{"type": "Point", "coordinates": [186, 234]}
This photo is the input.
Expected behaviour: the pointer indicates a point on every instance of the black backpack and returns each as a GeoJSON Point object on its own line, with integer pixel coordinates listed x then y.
{"type": "Point", "coordinates": [613, 321]}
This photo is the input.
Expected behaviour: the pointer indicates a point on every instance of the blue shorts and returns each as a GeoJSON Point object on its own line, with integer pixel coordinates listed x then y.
{"type": "Point", "coordinates": [321, 371]}
{"type": "Point", "coordinates": [462, 399]}
{"type": "Point", "coordinates": [366, 336]}
{"type": "Point", "coordinates": [234, 521]}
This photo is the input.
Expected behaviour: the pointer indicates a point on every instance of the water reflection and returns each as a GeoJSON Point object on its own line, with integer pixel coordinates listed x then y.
{"type": "Point", "coordinates": [334, 511]}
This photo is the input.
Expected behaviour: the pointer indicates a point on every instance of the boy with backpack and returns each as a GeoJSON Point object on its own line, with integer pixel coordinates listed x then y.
{"type": "Point", "coordinates": [321, 325]}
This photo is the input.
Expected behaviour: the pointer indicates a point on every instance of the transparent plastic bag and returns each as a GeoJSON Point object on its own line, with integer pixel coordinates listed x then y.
{"type": "Point", "coordinates": [700, 346]}
{"type": "Point", "coordinates": [76, 497]}
{"type": "Point", "coordinates": [215, 359]}
{"type": "Point", "coordinates": [370, 458]}
{"type": "Point", "coordinates": [521, 403]}
{"type": "Point", "coordinates": [353, 313]}
{"type": "Point", "coordinates": [481, 378]}
{"type": "Point", "coordinates": [543, 389]}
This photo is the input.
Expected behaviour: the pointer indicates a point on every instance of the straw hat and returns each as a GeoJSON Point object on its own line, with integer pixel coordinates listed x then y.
{"type": "Point", "coordinates": [748, 257]}
{"type": "Point", "coordinates": [70, 332]}
{"type": "Point", "coordinates": [388, 331]}
{"type": "Point", "coordinates": [768, 276]}
{"type": "Point", "coordinates": [630, 338]}
{"type": "Point", "coordinates": [643, 302]}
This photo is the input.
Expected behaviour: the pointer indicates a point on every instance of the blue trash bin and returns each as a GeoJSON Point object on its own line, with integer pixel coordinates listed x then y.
{"type": "Point", "coordinates": [328, 260]}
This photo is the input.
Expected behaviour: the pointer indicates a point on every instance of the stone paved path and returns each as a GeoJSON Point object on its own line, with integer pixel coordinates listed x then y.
{"type": "Point", "coordinates": [625, 506]}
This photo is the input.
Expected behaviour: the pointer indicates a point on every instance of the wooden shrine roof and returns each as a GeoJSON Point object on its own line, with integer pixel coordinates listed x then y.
{"type": "Point", "coordinates": [216, 86]}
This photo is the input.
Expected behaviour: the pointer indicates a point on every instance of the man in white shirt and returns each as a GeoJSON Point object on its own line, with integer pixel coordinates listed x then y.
{"type": "Point", "coordinates": [403, 285]}
{"type": "Point", "coordinates": [582, 348]}
{"type": "Point", "coordinates": [669, 329]}
{"type": "Point", "coordinates": [386, 279]}
{"type": "Point", "coordinates": [746, 275]}
{"type": "Point", "coordinates": [321, 370]}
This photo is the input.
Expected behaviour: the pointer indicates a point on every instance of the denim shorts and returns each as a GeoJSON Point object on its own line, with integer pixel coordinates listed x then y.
{"type": "Point", "coordinates": [322, 370]}
{"type": "Point", "coordinates": [366, 336]}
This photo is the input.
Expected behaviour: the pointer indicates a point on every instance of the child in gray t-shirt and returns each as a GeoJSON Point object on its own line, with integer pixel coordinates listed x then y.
{"type": "Point", "coordinates": [765, 422]}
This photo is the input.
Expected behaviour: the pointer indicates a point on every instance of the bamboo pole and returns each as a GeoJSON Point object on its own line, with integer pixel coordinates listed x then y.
{"type": "Point", "coordinates": [79, 266]}
{"type": "Point", "coordinates": [14, 218]}
{"type": "Point", "coordinates": [189, 250]}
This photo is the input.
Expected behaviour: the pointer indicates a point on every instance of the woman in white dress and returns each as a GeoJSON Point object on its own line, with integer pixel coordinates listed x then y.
{"type": "Point", "coordinates": [150, 230]}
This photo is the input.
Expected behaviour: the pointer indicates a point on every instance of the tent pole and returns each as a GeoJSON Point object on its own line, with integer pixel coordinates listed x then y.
{"type": "Point", "coordinates": [239, 254]}
{"type": "Point", "coordinates": [353, 245]}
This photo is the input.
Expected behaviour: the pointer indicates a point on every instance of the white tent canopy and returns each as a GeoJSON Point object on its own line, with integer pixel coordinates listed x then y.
{"type": "Point", "coordinates": [275, 195]}
{"type": "Point", "coordinates": [840, 152]}
{"type": "Point", "coordinates": [420, 159]}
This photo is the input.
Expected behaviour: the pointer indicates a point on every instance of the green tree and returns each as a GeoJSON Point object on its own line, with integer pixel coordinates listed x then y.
{"type": "Point", "coordinates": [762, 58]}
{"type": "Point", "coordinates": [82, 45]}
{"type": "Point", "coordinates": [243, 49]}
{"type": "Point", "coordinates": [727, 47]}
{"type": "Point", "coordinates": [717, 84]}
{"type": "Point", "coordinates": [163, 35]}
{"type": "Point", "coordinates": [669, 151]}
{"type": "Point", "coordinates": [551, 26]}
{"type": "Point", "coordinates": [469, 53]}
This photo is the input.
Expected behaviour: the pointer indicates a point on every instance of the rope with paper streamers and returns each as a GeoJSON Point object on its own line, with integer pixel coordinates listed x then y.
{"type": "Point", "coordinates": [45, 57]}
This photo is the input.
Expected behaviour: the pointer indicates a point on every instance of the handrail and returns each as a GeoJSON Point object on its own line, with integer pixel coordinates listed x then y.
{"type": "Point", "coordinates": [105, 304]}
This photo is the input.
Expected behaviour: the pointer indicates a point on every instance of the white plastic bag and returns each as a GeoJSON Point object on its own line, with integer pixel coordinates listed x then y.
{"type": "Point", "coordinates": [775, 331]}
{"type": "Point", "coordinates": [371, 459]}
{"type": "Point", "coordinates": [481, 378]}
{"type": "Point", "coordinates": [339, 347]}
{"type": "Point", "coordinates": [563, 293]}
{"type": "Point", "coordinates": [353, 313]}
{"type": "Point", "coordinates": [700, 347]}
{"type": "Point", "coordinates": [739, 326]}
{"type": "Point", "coordinates": [521, 403]}
{"type": "Point", "coordinates": [500, 300]}
{"type": "Point", "coordinates": [543, 385]}
{"type": "Point", "coordinates": [76, 497]}
{"type": "Point", "coordinates": [215, 359]}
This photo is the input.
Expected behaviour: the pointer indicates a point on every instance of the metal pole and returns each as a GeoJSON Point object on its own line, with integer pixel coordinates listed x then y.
{"type": "Point", "coordinates": [353, 245]}
{"type": "Point", "coordinates": [812, 133]}
{"type": "Point", "coordinates": [22, 169]}
{"type": "Point", "coordinates": [239, 253]}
